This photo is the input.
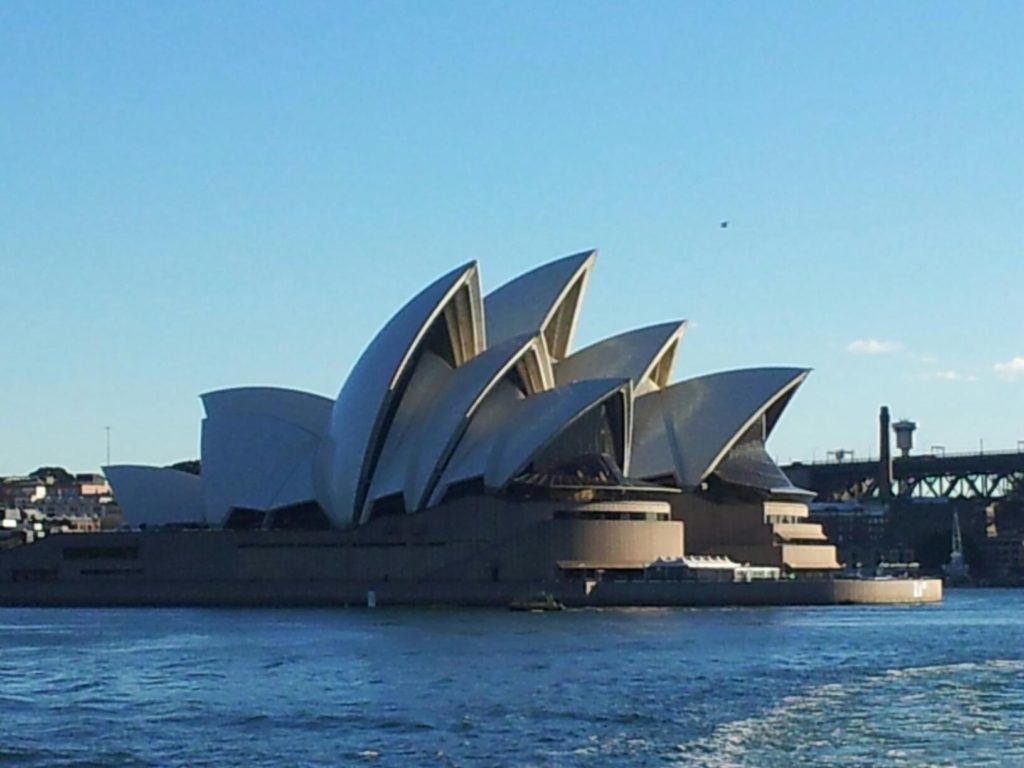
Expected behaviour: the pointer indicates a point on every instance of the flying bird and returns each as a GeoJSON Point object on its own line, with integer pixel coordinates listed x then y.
{"type": "Point", "coordinates": [724, 224]}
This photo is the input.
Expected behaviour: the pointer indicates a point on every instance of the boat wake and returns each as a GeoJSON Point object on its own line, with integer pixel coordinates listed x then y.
{"type": "Point", "coordinates": [940, 715]}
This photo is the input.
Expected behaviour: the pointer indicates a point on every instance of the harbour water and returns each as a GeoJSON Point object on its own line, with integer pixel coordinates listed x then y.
{"type": "Point", "coordinates": [937, 685]}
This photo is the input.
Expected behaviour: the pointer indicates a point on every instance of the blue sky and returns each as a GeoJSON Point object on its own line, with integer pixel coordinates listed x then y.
{"type": "Point", "coordinates": [199, 195]}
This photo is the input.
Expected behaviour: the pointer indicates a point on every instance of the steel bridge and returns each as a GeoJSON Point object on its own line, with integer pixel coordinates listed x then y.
{"type": "Point", "coordinates": [951, 476]}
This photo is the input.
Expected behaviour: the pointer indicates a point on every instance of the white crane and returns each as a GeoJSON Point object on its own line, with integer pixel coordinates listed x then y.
{"type": "Point", "coordinates": [956, 570]}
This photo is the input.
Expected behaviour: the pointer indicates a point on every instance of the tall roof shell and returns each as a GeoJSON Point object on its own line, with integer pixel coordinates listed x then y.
{"type": "Point", "coordinates": [545, 300]}
{"type": "Point", "coordinates": [688, 428]}
{"type": "Point", "coordinates": [156, 495]}
{"type": "Point", "coordinates": [370, 397]}
{"type": "Point", "coordinates": [304, 409]}
{"type": "Point", "coordinates": [645, 355]}
{"type": "Point", "coordinates": [509, 430]}
{"type": "Point", "coordinates": [416, 453]}
{"type": "Point", "coordinates": [254, 461]}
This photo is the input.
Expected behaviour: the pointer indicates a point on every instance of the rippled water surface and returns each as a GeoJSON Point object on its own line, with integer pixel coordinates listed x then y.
{"type": "Point", "coordinates": [843, 686]}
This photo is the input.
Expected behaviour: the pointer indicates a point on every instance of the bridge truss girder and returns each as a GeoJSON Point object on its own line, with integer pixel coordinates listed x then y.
{"type": "Point", "coordinates": [971, 485]}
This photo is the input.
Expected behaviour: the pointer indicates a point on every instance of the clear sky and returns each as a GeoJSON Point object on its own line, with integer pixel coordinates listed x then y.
{"type": "Point", "coordinates": [201, 195]}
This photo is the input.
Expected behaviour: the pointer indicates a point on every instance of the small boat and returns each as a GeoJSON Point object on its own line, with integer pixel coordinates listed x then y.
{"type": "Point", "coordinates": [542, 601]}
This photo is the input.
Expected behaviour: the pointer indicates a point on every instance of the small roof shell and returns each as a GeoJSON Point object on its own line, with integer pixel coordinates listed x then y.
{"type": "Point", "coordinates": [688, 428]}
{"type": "Point", "coordinates": [509, 430]}
{"type": "Point", "coordinates": [248, 459]}
{"type": "Point", "coordinates": [156, 495]}
{"type": "Point", "coordinates": [430, 424]}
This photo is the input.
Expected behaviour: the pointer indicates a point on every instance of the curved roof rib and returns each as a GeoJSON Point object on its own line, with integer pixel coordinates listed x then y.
{"type": "Point", "coordinates": [445, 318]}
{"type": "Point", "coordinates": [646, 356]}
{"type": "Point", "coordinates": [545, 300]}
{"type": "Point", "coordinates": [688, 428]}
{"type": "Point", "coordinates": [156, 495]}
{"type": "Point", "coordinates": [304, 409]}
{"type": "Point", "coordinates": [509, 430]}
{"type": "Point", "coordinates": [429, 426]}
{"type": "Point", "coordinates": [254, 461]}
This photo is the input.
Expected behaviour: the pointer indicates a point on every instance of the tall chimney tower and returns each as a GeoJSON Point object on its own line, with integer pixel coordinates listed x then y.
{"type": "Point", "coordinates": [884, 455]}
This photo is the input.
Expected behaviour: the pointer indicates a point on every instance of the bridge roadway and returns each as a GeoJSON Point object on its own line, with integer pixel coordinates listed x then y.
{"type": "Point", "coordinates": [954, 476]}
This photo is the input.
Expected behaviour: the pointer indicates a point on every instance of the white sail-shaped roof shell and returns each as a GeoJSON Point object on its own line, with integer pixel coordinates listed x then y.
{"type": "Point", "coordinates": [438, 407]}
{"type": "Point", "coordinates": [369, 399]}
{"type": "Point", "coordinates": [156, 495]}
{"type": "Point", "coordinates": [646, 356]}
{"type": "Point", "coordinates": [509, 430]}
{"type": "Point", "coordinates": [545, 300]}
{"type": "Point", "coordinates": [255, 461]}
{"type": "Point", "coordinates": [688, 428]}
{"type": "Point", "coordinates": [304, 409]}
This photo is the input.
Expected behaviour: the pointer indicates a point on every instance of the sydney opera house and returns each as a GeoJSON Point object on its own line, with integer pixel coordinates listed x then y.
{"type": "Point", "coordinates": [471, 453]}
